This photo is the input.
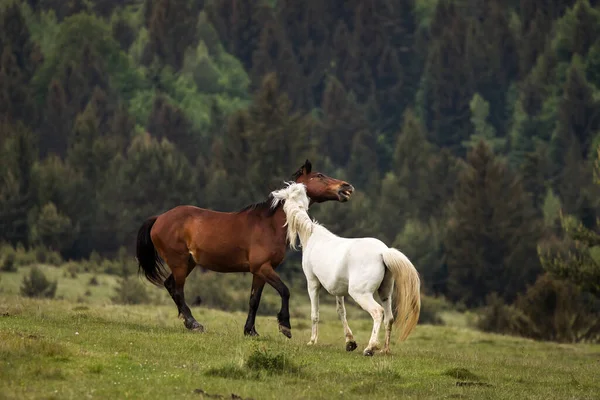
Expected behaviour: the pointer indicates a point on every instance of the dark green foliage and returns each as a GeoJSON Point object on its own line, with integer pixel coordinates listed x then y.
{"type": "Point", "coordinates": [17, 195]}
{"type": "Point", "coordinates": [550, 309]}
{"type": "Point", "coordinates": [137, 107]}
{"type": "Point", "coordinates": [172, 28]}
{"type": "Point", "coordinates": [498, 317]}
{"type": "Point", "coordinates": [431, 308]}
{"type": "Point", "coordinates": [8, 262]}
{"type": "Point", "coordinates": [37, 285]}
{"type": "Point", "coordinates": [492, 233]}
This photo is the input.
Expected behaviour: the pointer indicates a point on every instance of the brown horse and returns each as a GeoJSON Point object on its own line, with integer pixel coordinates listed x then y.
{"type": "Point", "coordinates": [250, 240]}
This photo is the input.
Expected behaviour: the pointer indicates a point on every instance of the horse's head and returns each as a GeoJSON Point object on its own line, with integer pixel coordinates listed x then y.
{"type": "Point", "coordinates": [320, 187]}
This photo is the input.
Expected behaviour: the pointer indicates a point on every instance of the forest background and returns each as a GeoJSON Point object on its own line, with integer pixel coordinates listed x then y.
{"type": "Point", "coordinates": [469, 128]}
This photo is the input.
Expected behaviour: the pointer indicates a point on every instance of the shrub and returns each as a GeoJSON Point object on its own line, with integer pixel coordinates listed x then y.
{"type": "Point", "coordinates": [54, 258]}
{"type": "Point", "coordinates": [560, 311]}
{"type": "Point", "coordinates": [431, 308]}
{"type": "Point", "coordinates": [111, 268]}
{"type": "Point", "coordinates": [24, 257]}
{"type": "Point", "coordinates": [8, 262]}
{"type": "Point", "coordinates": [93, 281]}
{"type": "Point", "coordinates": [44, 256]}
{"type": "Point", "coordinates": [501, 318]}
{"type": "Point", "coordinates": [131, 290]}
{"type": "Point", "coordinates": [72, 270]}
{"type": "Point", "coordinates": [550, 309]}
{"type": "Point", "coordinates": [271, 363]}
{"type": "Point", "coordinates": [37, 285]}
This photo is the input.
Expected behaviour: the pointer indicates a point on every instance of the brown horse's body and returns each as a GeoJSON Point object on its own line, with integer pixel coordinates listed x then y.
{"type": "Point", "coordinates": [250, 240]}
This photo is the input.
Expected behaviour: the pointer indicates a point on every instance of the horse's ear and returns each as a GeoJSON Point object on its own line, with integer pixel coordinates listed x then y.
{"type": "Point", "coordinates": [307, 167]}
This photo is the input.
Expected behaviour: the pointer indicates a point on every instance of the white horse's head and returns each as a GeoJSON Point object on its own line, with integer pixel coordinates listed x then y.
{"type": "Point", "coordinates": [295, 205]}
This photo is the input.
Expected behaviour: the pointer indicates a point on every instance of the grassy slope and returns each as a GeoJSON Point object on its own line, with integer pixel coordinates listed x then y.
{"type": "Point", "coordinates": [144, 352]}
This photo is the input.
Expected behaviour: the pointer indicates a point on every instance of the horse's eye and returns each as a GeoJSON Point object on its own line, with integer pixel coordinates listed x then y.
{"type": "Point", "coordinates": [319, 175]}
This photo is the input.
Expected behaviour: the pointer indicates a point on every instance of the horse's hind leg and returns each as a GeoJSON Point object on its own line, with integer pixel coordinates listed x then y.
{"type": "Point", "coordinates": [385, 292]}
{"type": "Point", "coordinates": [175, 284]}
{"type": "Point", "coordinates": [368, 303]}
{"type": "Point", "coordinates": [341, 310]}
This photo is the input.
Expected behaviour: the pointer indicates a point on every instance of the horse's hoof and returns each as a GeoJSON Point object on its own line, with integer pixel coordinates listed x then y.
{"type": "Point", "coordinates": [194, 327]}
{"type": "Point", "coordinates": [368, 353]}
{"type": "Point", "coordinates": [251, 333]}
{"type": "Point", "coordinates": [351, 346]}
{"type": "Point", "coordinates": [287, 332]}
{"type": "Point", "coordinates": [385, 352]}
{"type": "Point", "coordinates": [310, 343]}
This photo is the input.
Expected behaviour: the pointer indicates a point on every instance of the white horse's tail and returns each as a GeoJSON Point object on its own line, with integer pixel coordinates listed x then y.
{"type": "Point", "coordinates": [407, 291]}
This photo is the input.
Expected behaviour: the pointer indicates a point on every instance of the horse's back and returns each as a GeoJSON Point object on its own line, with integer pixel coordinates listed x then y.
{"type": "Point", "coordinates": [346, 264]}
{"type": "Point", "coordinates": [197, 230]}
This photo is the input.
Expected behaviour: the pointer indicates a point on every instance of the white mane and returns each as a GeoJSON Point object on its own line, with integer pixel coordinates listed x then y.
{"type": "Point", "coordinates": [295, 205]}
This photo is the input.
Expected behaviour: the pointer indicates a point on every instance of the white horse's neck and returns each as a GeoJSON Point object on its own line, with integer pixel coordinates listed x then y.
{"type": "Point", "coordinates": [295, 206]}
{"type": "Point", "coordinates": [299, 223]}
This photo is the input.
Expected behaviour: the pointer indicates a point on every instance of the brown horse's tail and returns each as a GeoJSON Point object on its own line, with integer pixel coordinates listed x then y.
{"type": "Point", "coordinates": [407, 291]}
{"type": "Point", "coordinates": [148, 259]}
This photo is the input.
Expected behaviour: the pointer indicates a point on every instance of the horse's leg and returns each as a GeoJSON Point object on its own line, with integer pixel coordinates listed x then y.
{"type": "Point", "coordinates": [267, 273]}
{"type": "Point", "coordinates": [175, 284]}
{"type": "Point", "coordinates": [341, 310]}
{"type": "Point", "coordinates": [368, 303]}
{"type": "Point", "coordinates": [314, 286]}
{"type": "Point", "coordinates": [385, 292]}
{"type": "Point", "coordinates": [257, 287]}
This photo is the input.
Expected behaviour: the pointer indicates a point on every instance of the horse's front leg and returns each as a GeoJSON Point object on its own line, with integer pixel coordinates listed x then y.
{"type": "Point", "coordinates": [341, 309]}
{"type": "Point", "coordinates": [268, 274]}
{"type": "Point", "coordinates": [257, 287]}
{"type": "Point", "coordinates": [314, 286]}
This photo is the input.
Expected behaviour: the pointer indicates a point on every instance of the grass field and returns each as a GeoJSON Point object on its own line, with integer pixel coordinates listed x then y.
{"type": "Point", "coordinates": [60, 349]}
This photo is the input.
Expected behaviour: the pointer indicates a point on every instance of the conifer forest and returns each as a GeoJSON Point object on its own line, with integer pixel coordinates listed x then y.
{"type": "Point", "coordinates": [470, 130]}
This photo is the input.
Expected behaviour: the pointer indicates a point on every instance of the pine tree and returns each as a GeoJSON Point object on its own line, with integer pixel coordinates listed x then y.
{"type": "Point", "coordinates": [448, 82]}
{"type": "Point", "coordinates": [239, 24]}
{"type": "Point", "coordinates": [17, 194]}
{"type": "Point", "coordinates": [576, 262]}
{"type": "Point", "coordinates": [578, 122]}
{"type": "Point", "coordinates": [342, 118]}
{"type": "Point", "coordinates": [19, 57]}
{"type": "Point", "coordinates": [170, 122]}
{"type": "Point", "coordinates": [172, 29]}
{"type": "Point", "coordinates": [276, 137]}
{"type": "Point", "coordinates": [492, 232]}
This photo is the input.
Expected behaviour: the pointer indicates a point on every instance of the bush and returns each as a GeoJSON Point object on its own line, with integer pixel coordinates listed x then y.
{"type": "Point", "coordinates": [271, 363]}
{"type": "Point", "coordinates": [560, 311]}
{"type": "Point", "coordinates": [24, 257]}
{"type": "Point", "coordinates": [8, 262]}
{"type": "Point", "coordinates": [37, 285]}
{"type": "Point", "coordinates": [72, 270]}
{"type": "Point", "coordinates": [498, 317]}
{"type": "Point", "coordinates": [131, 290]}
{"type": "Point", "coordinates": [431, 307]}
{"type": "Point", "coordinates": [93, 281]}
{"type": "Point", "coordinates": [550, 309]}
{"type": "Point", "coordinates": [44, 256]}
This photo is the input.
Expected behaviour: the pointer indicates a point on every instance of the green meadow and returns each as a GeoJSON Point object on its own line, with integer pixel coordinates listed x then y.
{"type": "Point", "coordinates": [82, 346]}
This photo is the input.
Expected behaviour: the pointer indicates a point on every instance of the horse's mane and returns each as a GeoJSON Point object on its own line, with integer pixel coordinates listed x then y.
{"type": "Point", "coordinates": [295, 204]}
{"type": "Point", "coordinates": [265, 205]}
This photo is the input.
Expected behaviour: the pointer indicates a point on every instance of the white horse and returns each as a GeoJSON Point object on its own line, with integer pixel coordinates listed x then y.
{"type": "Point", "coordinates": [356, 267]}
